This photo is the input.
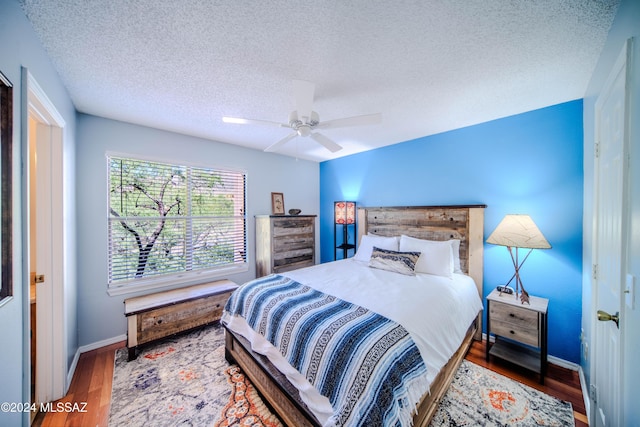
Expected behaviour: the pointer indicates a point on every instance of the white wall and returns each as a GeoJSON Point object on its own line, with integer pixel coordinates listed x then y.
{"type": "Point", "coordinates": [19, 47]}
{"type": "Point", "coordinates": [100, 316]}
{"type": "Point", "coordinates": [625, 25]}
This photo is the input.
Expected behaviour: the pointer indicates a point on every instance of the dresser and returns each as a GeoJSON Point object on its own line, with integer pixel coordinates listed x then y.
{"type": "Point", "coordinates": [284, 242]}
{"type": "Point", "coordinates": [520, 331]}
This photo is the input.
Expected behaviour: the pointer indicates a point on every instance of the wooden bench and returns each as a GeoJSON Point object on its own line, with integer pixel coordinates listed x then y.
{"type": "Point", "coordinates": [155, 316]}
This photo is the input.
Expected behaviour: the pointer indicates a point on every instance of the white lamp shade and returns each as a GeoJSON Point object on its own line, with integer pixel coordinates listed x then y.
{"type": "Point", "coordinates": [518, 231]}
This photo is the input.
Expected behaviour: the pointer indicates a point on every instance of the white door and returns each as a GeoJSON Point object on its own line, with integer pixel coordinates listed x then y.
{"type": "Point", "coordinates": [43, 264]}
{"type": "Point", "coordinates": [46, 138]}
{"type": "Point", "coordinates": [609, 250]}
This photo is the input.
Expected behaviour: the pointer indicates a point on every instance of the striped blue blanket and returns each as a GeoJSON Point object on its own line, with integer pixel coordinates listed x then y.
{"type": "Point", "coordinates": [320, 335]}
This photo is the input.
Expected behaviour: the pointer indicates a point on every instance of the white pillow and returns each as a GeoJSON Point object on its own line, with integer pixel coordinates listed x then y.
{"type": "Point", "coordinates": [436, 256]}
{"type": "Point", "coordinates": [369, 241]}
{"type": "Point", "coordinates": [455, 246]}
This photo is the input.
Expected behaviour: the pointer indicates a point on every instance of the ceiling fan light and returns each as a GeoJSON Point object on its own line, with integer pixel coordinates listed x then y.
{"type": "Point", "coordinates": [234, 120]}
{"type": "Point", "coordinates": [305, 122]}
{"type": "Point", "coordinates": [304, 130]}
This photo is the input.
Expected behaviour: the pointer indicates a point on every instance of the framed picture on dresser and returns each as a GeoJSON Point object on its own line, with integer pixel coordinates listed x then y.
{"type": "Point", "coordinates": [277, 204]}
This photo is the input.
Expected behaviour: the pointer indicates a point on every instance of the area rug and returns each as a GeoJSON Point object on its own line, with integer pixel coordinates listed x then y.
{"type": "Point", "coordinates": [480, 397]}
{"type": "Point", "coordinates": [186, 381]}
{"type": "Point", "coordinates": [245, 407]}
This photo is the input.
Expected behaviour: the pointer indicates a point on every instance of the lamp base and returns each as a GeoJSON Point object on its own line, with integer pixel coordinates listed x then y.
{"type": "Point", "coordinates": [524, 295]}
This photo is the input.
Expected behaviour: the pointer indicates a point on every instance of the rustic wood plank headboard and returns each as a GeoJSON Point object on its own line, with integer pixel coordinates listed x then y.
{"type": "Point", "coordinates": [464, 222]}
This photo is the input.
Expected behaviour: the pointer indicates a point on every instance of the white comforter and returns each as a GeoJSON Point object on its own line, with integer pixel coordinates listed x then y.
{"type": "Point", "coordinates": [435, 310]}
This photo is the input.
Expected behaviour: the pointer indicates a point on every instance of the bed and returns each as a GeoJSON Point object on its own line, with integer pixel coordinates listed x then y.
{"type": "Point", "coordinates": [284, 387]}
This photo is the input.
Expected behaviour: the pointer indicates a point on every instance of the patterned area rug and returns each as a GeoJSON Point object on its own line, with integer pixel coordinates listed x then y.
{"type": "Point", "coordinates": [480, 397]}
{"type": "Point", "coordinates": [186, 381]}
{"type": "Point", "coordinates": [245, 407]}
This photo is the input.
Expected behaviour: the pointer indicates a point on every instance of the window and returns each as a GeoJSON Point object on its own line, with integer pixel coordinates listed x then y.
{"type": "Point", "coordinates": [167, 220]}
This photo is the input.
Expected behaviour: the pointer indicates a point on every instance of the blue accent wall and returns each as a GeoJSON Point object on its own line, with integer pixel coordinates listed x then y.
{"type": "Point", "coordinates": [530, 163]}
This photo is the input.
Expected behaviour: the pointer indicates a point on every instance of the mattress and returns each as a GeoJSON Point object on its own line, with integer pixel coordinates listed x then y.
{"type": "Point", "coordinates": [435, 310]}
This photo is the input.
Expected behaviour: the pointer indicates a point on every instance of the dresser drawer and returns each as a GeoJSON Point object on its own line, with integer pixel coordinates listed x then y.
{"type": "Point", "coordinates": [293, 226]}
{"type": "Point", "coordinates": [293, 243]}
{"type": "Point", "coordinates": [293, 264]}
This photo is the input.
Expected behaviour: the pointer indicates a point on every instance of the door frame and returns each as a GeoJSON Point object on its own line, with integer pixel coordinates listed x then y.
{"type": "Point", "coordinates": [36, 104]}
{"type": "Point", "coordinates": [622, 62]}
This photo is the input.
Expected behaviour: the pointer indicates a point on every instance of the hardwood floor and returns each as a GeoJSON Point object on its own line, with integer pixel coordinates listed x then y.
{"type": "Point", "coordinates": [94, 373]}
{"type": "Point", "coordinates": [91, 384]}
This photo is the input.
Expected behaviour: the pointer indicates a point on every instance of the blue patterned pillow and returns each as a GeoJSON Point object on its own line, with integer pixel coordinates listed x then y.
{"type": "Point", "coordinates": [398, 262]}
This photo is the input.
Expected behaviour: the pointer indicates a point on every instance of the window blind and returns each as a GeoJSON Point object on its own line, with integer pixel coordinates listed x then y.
{"type": "Point", "coordinates": [169, 219]}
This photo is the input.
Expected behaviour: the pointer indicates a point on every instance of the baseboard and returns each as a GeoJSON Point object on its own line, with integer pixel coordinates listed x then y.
{"type": "Point", "coordinates": [103, 343]}
{"type": "Point", "coordinates": [551, 359]}
{"type": "Point", "coordinates": [563, 363]}
{"type": "Point", "coordinates": [72, 371]}
{"type": "Point", "coordinates": [84, 349]}
{"type": "Point", "coordinates": [585, 394]}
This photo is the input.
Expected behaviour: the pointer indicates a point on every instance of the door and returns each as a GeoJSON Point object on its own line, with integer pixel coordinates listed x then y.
{"type": "Point", "coordinates": [43, 267]}
{"type": "Point", "coordinates": [46, 243]}
{"type": "Point", "coordinates": [609, 249]}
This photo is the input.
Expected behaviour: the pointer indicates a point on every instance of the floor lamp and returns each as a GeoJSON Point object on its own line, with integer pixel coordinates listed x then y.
{"type": "Point", "coordinates": [344, 215]}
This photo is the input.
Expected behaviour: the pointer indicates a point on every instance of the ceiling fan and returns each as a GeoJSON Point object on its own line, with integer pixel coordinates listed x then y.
{"type": "Point", "coordinates": [304, 121]}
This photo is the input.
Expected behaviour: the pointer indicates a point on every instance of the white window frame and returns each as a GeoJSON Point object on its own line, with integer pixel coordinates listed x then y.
{"type": "Point", "coordinates": [178, 278]}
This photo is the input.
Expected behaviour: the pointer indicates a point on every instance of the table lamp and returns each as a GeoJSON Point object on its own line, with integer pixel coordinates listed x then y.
{"type": "Point", "coordinates": [515, 232]}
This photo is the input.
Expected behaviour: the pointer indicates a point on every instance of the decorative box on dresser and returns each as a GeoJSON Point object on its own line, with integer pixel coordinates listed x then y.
{"type": "Point", "coordinates": [521, 324]}
{"type": "Point", "coordinates": [284, 242]}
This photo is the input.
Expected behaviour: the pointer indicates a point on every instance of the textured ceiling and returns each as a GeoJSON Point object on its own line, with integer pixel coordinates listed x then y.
{"type": "Point", "coordinates": [428, 66]}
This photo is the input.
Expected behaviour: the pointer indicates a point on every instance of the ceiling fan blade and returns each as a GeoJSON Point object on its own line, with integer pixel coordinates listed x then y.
{"type": "Point", "coordinates": [303, 94]}
{"type": "Point", "coordinates": [325, 142]}
{"type": "Point", "coordinates": [280, 143]}
{"type": "Point", "coordinates": [239, 121]}
{"type": "Point", "coordinates": [367, 119]}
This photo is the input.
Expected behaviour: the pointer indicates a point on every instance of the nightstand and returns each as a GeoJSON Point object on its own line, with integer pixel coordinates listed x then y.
{"type": "Point", "coordinates": [520, 331]}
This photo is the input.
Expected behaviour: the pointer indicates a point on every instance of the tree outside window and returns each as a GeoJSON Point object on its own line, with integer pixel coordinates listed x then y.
{"type": "Point", "coordinates": [170, 219]}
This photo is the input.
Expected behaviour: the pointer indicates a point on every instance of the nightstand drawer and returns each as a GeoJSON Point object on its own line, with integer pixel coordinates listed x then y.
{"type": "Point", "coordinates": [519, 317]}
{"type": "Point", "coordinates": [523, 335]}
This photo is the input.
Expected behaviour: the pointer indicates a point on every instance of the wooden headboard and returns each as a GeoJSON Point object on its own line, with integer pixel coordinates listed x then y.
{"type": "Point", "coordinates": [433, 223]}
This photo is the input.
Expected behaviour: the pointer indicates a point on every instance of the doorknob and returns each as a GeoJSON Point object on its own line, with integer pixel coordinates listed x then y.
{"type": "Point", "coordinates": [603, 316]}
